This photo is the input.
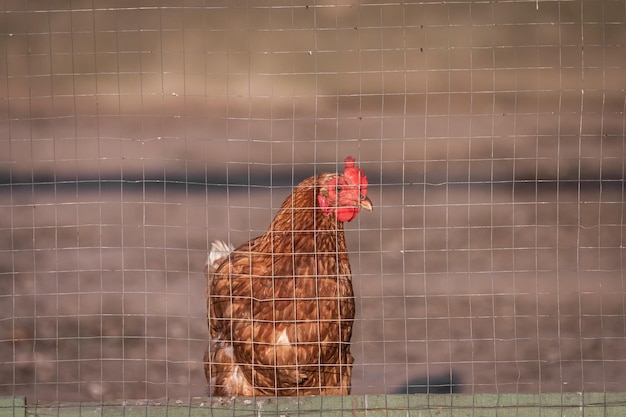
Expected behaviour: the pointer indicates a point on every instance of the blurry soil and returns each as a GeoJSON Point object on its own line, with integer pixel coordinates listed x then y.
{"type": "Point", "coordinates": [513, 289]}
{"type": "Point", "coordinates": [492, 134]}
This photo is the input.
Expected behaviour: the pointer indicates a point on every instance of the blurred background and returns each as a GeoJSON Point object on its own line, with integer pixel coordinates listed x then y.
{"type": "Point", "coordinates": [492, 133]}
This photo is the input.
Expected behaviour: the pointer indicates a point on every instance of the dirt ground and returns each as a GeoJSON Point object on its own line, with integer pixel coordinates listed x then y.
{"type": "Point", "coordinates": [512, 290]}
{"type": "Point", "coordinates": [492, 134]}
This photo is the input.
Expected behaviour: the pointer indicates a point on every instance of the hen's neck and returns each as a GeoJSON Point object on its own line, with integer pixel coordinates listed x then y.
{"type": "Point", "coordinates": [301, 224]}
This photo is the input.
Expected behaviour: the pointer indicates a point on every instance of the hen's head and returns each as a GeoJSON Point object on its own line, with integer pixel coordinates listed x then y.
{"type": "Point", "coordinates": [344, 194]}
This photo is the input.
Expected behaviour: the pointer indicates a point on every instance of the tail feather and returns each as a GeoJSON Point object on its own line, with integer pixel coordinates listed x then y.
{"type": "Point", "coordinates": [219, 250]}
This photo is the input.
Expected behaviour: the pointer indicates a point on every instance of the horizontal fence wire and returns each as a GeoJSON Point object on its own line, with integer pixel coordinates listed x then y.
{"type": "Point", "coordinates": [492, 135]}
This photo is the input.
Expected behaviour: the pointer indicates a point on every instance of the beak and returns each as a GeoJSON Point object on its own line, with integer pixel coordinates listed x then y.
{"type": "Point", "coordinates": [366, 204]}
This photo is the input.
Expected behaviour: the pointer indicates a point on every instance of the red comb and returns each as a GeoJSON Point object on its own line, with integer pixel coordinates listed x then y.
{"type": "Point", "coordinates": [353, 174]}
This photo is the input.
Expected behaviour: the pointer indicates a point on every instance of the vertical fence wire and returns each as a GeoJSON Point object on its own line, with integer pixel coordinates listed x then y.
{"type": "Point", "coordinates": [492, 135]}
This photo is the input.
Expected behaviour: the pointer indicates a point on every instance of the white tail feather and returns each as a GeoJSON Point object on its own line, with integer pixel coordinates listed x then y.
{"type": "Point", "coordinates": [219, 250]}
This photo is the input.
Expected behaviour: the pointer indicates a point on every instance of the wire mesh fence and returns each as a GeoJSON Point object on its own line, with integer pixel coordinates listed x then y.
{"type": "Point", "coordinates": [492, 135]}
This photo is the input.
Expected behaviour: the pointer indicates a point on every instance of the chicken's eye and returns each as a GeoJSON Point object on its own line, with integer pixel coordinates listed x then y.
{"type": "Point", "coordinates": [339, 188]}
{"type": "Point", "coordinates": [362, 197]}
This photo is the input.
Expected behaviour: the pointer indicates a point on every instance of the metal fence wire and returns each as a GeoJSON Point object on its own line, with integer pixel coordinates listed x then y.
{"type": "Point", "coordinates": [134, 134]}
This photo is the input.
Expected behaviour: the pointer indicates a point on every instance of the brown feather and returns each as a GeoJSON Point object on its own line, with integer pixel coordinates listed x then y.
{"type": "Point", "coordinates": [281, 306]}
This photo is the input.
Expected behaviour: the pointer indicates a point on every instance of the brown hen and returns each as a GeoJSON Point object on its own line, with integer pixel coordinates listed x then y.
{"type": "Point", "coordinates": [281, 306]}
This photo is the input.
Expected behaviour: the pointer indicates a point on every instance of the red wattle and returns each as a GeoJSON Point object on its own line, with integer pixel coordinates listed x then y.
{"type": "Point", "coordinates": [346, 214]}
